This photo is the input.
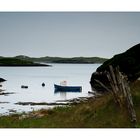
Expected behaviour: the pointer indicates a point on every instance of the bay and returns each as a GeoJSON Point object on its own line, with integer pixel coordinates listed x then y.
{"type": "Point", "coordinates": [33, 77]}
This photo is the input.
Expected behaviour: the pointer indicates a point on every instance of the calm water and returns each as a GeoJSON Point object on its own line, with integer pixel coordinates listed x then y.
{"type": "Point", "coordinates": [74, 74]}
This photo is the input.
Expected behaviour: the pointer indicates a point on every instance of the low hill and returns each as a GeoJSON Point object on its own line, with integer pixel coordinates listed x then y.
{"type": "Point", "coordinates": [17, 62]}
{"type": "Point", "coordinates": [23, 60]}
{"type": "Point", "coordinates": [48, 59]}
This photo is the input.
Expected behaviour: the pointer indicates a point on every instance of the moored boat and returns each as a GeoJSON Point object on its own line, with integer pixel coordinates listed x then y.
{"type": "Point", "coordinates": [67, 88]}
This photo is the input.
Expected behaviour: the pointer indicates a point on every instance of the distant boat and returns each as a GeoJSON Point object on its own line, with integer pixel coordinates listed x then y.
{"type": "Point", "coordinates": [67, 88]}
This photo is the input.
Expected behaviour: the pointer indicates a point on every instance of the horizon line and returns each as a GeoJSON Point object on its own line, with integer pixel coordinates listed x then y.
{"type": "Point", "coordinates": [55, 56]}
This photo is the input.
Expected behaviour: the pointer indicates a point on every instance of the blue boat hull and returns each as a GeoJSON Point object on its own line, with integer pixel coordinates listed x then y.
{"type": "Point", "coordinates": [59, 88]}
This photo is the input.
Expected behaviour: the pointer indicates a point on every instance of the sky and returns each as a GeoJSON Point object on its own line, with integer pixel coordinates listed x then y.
{"type": "Point", "coordinates": [68, 34]}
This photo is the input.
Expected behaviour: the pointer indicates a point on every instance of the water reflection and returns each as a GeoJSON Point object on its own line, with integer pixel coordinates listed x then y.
{"type": "Point", "coordinates": [63, 95]}
{"type": "Point", "coordinates": [1, 90]}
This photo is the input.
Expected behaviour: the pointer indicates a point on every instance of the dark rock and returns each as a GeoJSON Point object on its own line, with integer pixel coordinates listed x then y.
{"type": "Point", "coordinates": [43, 84]}
{"type": "Point", "coordinates": [6, 93]}
{"type": "Point", "coordinates": [2, 80]}
{"type": "Point", "coordinates": [24, 86]}
{"type": "Point", "coordinates": [101, 76]}
{"type": "Point", "coordinates": [128, 63]}
{"type": "Point", "coordinates": [12, 110]}
{"type": "Point", "coordinates": [4, 102]}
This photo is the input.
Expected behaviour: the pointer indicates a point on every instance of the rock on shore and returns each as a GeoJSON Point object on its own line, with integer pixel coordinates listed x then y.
{"type": "Point", "coordinates": [128, 62]}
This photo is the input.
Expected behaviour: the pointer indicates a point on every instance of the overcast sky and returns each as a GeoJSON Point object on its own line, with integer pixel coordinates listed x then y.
{"type": "Point", "coordinates": [68, 34]}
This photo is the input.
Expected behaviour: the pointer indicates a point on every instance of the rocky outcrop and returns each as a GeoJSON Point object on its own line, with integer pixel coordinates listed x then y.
{"type": "Point", "coordinates": [101, 76]}
{"type": "Point", "coordinates": [128, 62]}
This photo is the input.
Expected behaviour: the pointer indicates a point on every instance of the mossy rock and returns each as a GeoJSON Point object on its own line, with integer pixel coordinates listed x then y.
{"type": "Point", "coordinates": [128, 62]}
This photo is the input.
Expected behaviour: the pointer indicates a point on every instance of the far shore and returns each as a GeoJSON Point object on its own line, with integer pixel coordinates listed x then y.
{"type": "Point", "coordinates": [34, 65]}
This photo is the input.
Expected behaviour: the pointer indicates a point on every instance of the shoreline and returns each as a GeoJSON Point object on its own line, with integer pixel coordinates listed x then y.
{"type": "Point", "coordinates": [55, 104]}
{"type": "Point", "coordinates": [99, 111]}
{"type": "Point", "coordinates": [34, 65]}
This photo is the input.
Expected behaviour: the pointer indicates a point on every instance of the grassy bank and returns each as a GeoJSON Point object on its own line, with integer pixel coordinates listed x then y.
{"type": "Point", "coordinates": [99, 113]}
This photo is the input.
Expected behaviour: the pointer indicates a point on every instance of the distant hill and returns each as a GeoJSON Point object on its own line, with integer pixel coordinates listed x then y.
{"type": "Point", "coordinates": [48, 59]}
{"type": "Point", "coordinates": [17, 62]}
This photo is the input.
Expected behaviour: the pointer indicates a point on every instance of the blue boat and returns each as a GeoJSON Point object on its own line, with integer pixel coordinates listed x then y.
{"type": "Point", "coordinates": [59, 88]}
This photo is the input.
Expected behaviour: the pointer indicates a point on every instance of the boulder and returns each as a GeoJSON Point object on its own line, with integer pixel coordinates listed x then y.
{"type": "Point", "coordinates": [128, 62]}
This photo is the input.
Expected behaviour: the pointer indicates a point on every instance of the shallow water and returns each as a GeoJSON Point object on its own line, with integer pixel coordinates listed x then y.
{"type": "Point", "coordinates": [33, 77]}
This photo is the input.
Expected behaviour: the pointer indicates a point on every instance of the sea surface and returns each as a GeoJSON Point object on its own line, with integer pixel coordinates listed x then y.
{"type": "Point", "coordinates": [33, 77]}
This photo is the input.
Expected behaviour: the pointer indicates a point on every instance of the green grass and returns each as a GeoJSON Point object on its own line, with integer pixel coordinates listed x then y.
{"type": "Point", "coordinates": [99, 113]}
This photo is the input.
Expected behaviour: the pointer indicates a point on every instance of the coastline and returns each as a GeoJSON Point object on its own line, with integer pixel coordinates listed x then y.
{"type": "Point", "coordinates": [95, 112]}
{"type": "Point", "coordinates": [33, 65]}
